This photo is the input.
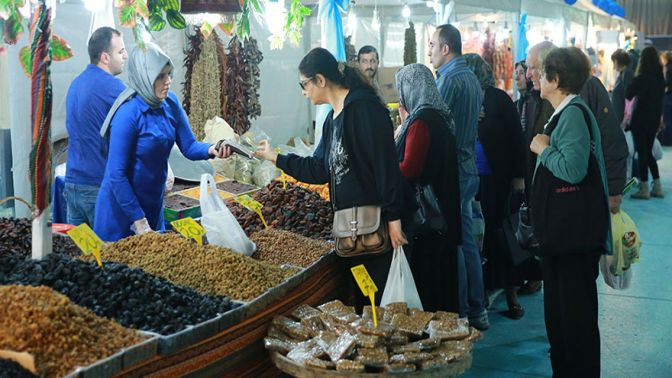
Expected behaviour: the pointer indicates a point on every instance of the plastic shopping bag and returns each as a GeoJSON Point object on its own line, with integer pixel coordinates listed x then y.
{"type": "Point", "coordinates": [616, 269]}
{"type": "Point", "coordinates": [221, 227]}
{"type": "Point", "coordinates": [400, 286]}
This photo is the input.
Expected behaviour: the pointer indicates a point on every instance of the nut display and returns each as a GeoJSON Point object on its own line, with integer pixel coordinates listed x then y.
{"type": "Point", "coordinates": [132, 297]}
{"type": "Point", "coordinates": [208, 269]}
{"type": "Point", "coordinates": [284, 247]}
{"type": "Point", "coordinates": [16, 239]}
{"type": "Point", "coordinates": [292, 209]}
{"type": "Point", "coordinates": [322, 190]}
{"type": "Point", "coordinates": [60, 334]}
{"type": "Point", "coordinates": [12, 369]}
{"type": "Point", "coordinates": [357, 345]}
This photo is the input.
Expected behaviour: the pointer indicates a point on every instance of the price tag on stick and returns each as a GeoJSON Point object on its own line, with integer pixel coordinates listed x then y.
{"type": "Point", "coordinates": [367, 286]}
{"type": "Point", "coordinates": [250, 204]}
{"type": "Point", "coordinates": [189, 229]}
{"type": "Point", "coordinates": [87, 241]}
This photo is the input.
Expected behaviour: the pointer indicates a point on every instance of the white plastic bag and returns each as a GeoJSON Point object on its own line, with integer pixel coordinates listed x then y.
{"type": "Point", "coordinates": [221, 227]}
{"type": "Point", "coordinates": [400, 286]}
{"type": "Point", "coordinates": [621, 282]}
{"type": "Point", "coordinates": [170, 179]}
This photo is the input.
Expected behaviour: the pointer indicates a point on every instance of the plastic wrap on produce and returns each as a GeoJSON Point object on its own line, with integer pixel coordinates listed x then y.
{"type": "Point", "coordinates": [342, 347]}
{"type": "Point", "coordinates": [265, 173]}
{"type": "Point", "coordinates": [449, 329]}
{"type": "Point", "coordinates": [305, 351]}
{"type": "Point", "coordinates": [291, 328]}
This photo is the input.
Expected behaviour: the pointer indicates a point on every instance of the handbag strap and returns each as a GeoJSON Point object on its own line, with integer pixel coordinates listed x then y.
{"type": "Point", "coordinates": [586, 117]}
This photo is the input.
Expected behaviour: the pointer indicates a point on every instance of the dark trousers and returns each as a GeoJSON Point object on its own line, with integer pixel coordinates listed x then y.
{"type": "Point", "coordinates": [644, 146]}
{"type": "Point", "coordinates": [570, 311]}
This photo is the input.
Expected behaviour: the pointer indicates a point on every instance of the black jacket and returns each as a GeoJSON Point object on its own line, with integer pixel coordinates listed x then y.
{"type": "Point", "coordinates": [649, 90]}
{"type": "Point", "coordinates": [371, 175]}
{"type": "Point", "coordinates": [440, 170]}
{"type": "Point", "coordinates": [614, 147]}
{"type": "Point", "coordinates": [538, 112]}
{"type": "Point", "coordinates": [618, 93]}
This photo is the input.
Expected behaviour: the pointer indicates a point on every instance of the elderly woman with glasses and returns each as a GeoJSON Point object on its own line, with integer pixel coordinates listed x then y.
{"type": "Point", "coordinates": [356, 153]}
{"type": "Point", "coordinates": [146, 120]}
{"type": "Point", "coordinates": [570, 215]}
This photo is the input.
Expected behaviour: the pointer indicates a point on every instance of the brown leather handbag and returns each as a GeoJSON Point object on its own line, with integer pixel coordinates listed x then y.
{"type": "Point", "coordinates": [360, 231]}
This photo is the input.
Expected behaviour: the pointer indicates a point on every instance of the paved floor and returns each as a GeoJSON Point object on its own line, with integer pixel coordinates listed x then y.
{"type": "Point", "coordinates": [635, 324]}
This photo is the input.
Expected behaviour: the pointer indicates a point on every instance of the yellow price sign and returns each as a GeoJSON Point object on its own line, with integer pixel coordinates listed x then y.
{"type": "Point", "coordinates": [189, 229]}
{"type": "Point", "coordinates": [283, 177]}
{"type": "Point", "coordinates": [367, 286]}
{"type": "Point", "coordinates": [87, 241]}
{"type": "Point", "coordinates": [250, 204]}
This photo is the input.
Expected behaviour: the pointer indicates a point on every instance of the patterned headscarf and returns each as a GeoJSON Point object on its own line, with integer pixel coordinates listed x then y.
{"type": "Point", "coordinates": [481, 69]}
{"type": "Point", "coordinates": [417, 91]}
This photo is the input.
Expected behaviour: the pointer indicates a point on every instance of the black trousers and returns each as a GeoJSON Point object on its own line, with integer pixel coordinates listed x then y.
{"type": "Point", "coordinates": [570, 311]}
{"type": "Point", "coordinates": [645, 160]}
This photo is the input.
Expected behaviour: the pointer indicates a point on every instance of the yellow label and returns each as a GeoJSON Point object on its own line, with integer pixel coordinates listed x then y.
{"type": "Point", "coordinates": [367, 286]}
{"type": "Point", "coordinates": [283, 177]}
{"type": "Point", "coordinates": [189, 229]}
{"type": "Point", "coordinates": [250, 204]}
{"type": "Point", "coordinates": [87, 241]}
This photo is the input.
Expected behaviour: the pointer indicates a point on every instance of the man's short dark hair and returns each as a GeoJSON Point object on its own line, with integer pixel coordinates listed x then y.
{"type": "Point", "coordinates": [449, 35]}
{"type": "Point", "coordinates": [621, 58]}
{"type": "Point", "coordinates": [368, 49]}
{"type": "Point", "coordinates": [100, 42]}
{"type": "Point", "coordinates": [570, 66]}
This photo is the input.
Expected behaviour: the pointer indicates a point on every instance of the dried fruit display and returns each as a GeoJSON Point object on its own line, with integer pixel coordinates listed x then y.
{"type": "Point", "coordinates": [252, 57]}
{"type": "Point", "coordinates": [203, 87]}
{"type": "Point", "coordinates": [60, 334]}
{"type": "Point", "coordinates": [284, 247]}
{"type": "Point", "coordinates": [208, 269]}
{"type": "Point", "coordinates": [242, 86]}
{"type": "Point", "coordinates": [354, 344]}
{"type": "Point", "coordinates": [132, 297]}
{"type": "Point", "coordinates": [322, 190]}
{"type": "Point", "coordinates": [292, 209]}
{"type": "Point", "coordinates": [16, 239]}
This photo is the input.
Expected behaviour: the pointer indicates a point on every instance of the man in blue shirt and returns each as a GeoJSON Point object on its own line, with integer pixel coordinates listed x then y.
{"type": "Point", "coordinates": [89, 99]}
{"type": "Point", "coordinates": [461, 91]}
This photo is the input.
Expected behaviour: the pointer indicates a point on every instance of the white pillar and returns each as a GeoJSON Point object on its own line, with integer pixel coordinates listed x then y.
{"type": "Point", "coordinates": [42, 237]}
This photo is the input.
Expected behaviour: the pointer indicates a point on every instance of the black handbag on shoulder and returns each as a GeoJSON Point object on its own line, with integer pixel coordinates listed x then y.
{"type": "Point", "coordinates": [428, 219]}
{"type": "Point", "coordinates": [569, 218]}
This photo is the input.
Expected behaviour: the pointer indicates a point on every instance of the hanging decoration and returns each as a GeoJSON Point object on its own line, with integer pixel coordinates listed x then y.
{"type": "Point", "coordinates": [522, 44]}
{"type": "Point", "coordinates": [242, 84]}
{"type": "Point", "coordinates": [410, 45]}
{"type": "Point", "coordinates": [252, 57]}
{"type": "Point", "coordinates": [41, 104]}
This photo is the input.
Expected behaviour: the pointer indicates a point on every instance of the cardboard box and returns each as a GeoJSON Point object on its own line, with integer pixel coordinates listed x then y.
{"type": "Point", "coordinates": [388, 84]}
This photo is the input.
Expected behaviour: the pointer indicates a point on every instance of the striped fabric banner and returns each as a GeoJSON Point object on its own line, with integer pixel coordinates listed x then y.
{"type": "Point", "coordinates": [41, 103]}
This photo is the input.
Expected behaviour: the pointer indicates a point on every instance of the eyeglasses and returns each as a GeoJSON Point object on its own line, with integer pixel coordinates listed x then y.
{"type": "Point", "coordinates": [303, 83]}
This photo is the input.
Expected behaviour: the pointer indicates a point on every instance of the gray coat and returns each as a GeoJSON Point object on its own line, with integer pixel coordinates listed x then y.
{"type": "Point", "coordinates": [614, 147]}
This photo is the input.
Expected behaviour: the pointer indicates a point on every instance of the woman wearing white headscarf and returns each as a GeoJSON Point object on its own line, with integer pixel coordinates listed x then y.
{"type": "Point", "coordinates": [427, 156]}
{"type": "Point", "coordinates": [146, 120]}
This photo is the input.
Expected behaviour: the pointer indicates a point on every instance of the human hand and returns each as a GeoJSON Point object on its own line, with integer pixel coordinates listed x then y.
{"type": "Point", "coordinates": [518, 185]}
{"type": "Point", "coordinates": [219, 151]}
{"type": "Point", "coordinates": [141, 226]}
{"type": "Point", "coordinates": [397, 236]}
{"type": "Point", "coordinates": [265, 151]}
{"type": "Point", "coordinates": [539, 143]}
{"type": "Point", "coordinates": [615, 203]}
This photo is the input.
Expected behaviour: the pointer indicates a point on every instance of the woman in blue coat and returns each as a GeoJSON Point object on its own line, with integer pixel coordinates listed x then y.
{"type": "Point", "coordinates": [147, 121]}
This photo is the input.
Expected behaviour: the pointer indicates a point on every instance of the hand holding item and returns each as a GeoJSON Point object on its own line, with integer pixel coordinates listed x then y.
{"type": "Point", "coordinates": [397, 236]}
{"type": "Point", "coordinates": [615, 203]}
{"type": "Point", "coordinates": [219, 151]}
{"type": "Point", "coordinates": [539, 143]}
{"type": "Point", "coordinates": [265, 151]}
{"type": "Point", "coordinates": [141, 226]}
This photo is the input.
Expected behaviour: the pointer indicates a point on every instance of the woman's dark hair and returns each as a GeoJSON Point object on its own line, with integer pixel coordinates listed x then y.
{"type": "Point", "coordinates": [570, 66]}
{"type": "Point", "coordinates": [321, 61]}
{"type": "Point", "coordinates": [621, 58]}
{"type": "Point", "coordinates": [649, 63]}
{"type": "Point", "coordinates": [522, 64]}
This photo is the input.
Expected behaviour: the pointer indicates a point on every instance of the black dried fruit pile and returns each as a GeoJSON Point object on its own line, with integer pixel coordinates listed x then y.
{"type": "Point", "coordinates": [12, 369]}
{"type": "Point", "coordinates": [132, 297]}
{"type": "Point", "coordinates": [16, 239]}
{"type": "Point", "coordinates": [179, 202]}
{"type": "Point", "coordinates": [293, 209]}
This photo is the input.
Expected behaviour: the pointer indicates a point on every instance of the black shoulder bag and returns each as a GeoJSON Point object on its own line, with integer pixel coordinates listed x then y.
{"type": "Point", "coordinates": [569, 218]}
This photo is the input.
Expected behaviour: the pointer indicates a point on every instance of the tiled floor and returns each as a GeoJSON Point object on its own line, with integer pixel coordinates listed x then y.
{"type": "Point", "coordinates": [635, 324]}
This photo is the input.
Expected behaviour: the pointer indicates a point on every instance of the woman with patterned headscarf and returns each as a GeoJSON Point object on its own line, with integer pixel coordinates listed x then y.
{"type": "Point", "coordinates": [428, 156]}
{"type": "Point", "coordinates": [500, 157]}
{"type": "Point", "coordinates": [144, 123]}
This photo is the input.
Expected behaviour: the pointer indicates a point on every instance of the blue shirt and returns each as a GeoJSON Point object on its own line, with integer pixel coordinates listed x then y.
{"type": "Point", "coordinates": [140, 142]}
{"type": "Point", "coordinates": [459, 88]}
{"type": "Point", "coordinates": [89, 98]}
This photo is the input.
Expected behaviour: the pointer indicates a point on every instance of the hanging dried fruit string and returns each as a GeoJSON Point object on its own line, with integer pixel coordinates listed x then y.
{"type": "Point", "coordinates": [252, 57]}
{"type": "Point", "coordinates": [410, 46]}
{"type": "Point", "coordinates": [191, 54]}
{"type": "Point", "coordinates": [41, 102]}
{"type": "Point", "coordinates": [236, 74]}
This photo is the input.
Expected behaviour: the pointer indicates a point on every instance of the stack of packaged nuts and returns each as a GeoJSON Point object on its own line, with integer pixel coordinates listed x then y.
{"type": "Point", "coordinates": [60, 334]}
{"type": "Point", "coordinates": [332, 336]}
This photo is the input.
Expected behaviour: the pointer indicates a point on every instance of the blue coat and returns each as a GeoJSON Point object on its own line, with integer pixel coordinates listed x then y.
{"type": "Point", "coordinates": [134, 183]}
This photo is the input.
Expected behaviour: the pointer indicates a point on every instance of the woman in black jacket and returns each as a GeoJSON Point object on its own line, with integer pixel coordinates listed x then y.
{"type": "Point", "coordinates": [356, 154]}
{"type": "Point", "coordinates": [500, 157]}
{"type": "Point", "coordinates": [428, 157]}
{"type": "Point", "coordinates": [647, 88]}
